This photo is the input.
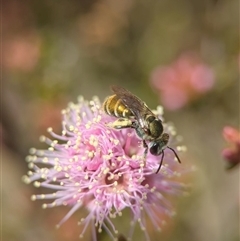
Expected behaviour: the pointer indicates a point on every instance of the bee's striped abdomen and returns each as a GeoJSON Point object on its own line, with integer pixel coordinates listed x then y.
{"type": "Point", "coordinates": [114, 106]}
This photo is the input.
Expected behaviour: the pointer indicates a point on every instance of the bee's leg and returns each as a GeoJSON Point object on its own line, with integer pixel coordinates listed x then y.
{"type": "Point", "coordinates": [121, 123]}
{"type": "Point", "coordinates": [161, 162]}
{"type": "Point", "coordinates": [145, 151]}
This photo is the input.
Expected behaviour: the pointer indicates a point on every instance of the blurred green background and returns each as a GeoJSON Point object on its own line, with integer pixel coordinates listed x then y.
{"type": "Point", "coordinates": [54, 51]}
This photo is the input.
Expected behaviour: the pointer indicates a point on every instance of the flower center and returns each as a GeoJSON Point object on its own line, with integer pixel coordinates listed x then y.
{"type": "Point", "coordinates": [114, 178]}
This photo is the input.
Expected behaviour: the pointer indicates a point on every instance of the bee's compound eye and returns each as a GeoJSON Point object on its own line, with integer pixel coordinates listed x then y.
{"type": "Point", "coordinates": [154, 149]}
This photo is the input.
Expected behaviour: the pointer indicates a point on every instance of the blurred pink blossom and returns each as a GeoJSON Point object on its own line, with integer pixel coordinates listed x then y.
{"type": "Point", "coordinates": [184, 80]}
{"type": "Point", "coordinates": [22, 52]}
{"type": "Point", "coordinates": [231, 153]}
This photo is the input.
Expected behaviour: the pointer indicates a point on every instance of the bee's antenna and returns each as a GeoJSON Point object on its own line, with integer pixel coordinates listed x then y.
{"type": "Point", "coordinates": [160, 162]}
{"type": "Point", "coordinates": [175, 153]}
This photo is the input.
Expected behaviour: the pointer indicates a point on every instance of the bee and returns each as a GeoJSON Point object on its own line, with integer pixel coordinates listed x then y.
{"type": "Point", "coordinates": [132, 112]}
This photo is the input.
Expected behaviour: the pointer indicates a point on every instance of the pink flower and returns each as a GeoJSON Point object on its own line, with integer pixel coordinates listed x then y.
{"type": "Point", "coordinates": [95, 167]}
{"type": "Point", "coordinates": [184, 80]}
{"type": "Point", "coordinates": [232, 153]}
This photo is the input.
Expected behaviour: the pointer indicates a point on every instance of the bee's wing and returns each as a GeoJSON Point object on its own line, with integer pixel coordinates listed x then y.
{"type": "Point", "coordinates": [136, 105]}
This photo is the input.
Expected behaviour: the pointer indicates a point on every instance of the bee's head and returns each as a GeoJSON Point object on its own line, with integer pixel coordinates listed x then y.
{"type": "Point", "coordinates": [156, 147]}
